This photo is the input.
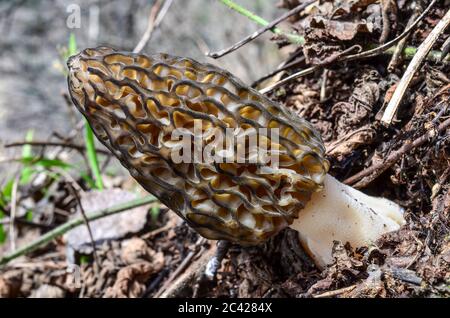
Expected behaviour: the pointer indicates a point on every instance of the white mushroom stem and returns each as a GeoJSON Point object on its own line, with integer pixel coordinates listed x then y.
{"type": "Point", "coordinates": [341, 213]}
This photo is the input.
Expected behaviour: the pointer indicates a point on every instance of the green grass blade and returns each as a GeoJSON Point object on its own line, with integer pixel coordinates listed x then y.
{"type": "Point", "coordinates": [7, 189]}
{"type": "Point", "coordinates": [2, 230]}
{"type": "Point", "coordinates": [72, 47]}
{"type": "Point", "coordinates": [27, 172]}
{"type": "Point", "coordinates": [92, 155]}
{"type": "Point", "coordinates": [3, 201]}
{"type": "Point", "coordinates": [46, 163]}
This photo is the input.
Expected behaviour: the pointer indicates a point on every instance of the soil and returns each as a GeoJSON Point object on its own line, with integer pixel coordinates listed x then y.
{"type": "Point", "coordinates": [407, 162]}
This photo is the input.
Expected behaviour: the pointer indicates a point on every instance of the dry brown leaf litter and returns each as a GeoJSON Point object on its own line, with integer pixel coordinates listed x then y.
{"type": "Point", "coordinates": [411, 262]}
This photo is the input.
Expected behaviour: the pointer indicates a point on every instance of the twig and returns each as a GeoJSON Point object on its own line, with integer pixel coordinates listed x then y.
{"type": "Point", "coordinates": [385, 7]}
{"type": "Point", "coordinates": [69, 178]}
{"type": "Point", "coordinates": [415, 64]}
{"type": "Point", "coordinates": [54, 144]}
{"type": "Point", "coordinates": [154, 20]}
{"type": "Point", "coordinates": [397, 53]}
{"type": "Point", "coordinates": [181, 267]}
{"type": "Point", "coordinates": [256, 34]}
{"type": "Point", "coordinates": [382, 48]}
{"type": "Point", "coordinates": [323, 86]}
{"type": "Point", "coordinates": [7, 220]}
{"type": "Point", "coordinates": [150, 235]}
{"type": "Point", "coordinates": [293, 38]}
{"type": "Point", "coordinates": [445, 48]}
{"type": "Point", "coordinates": [12, 235]}
{"type": "Point", "coordinates": [150, 26]}
{"type": "Point", "coordinates": [408, 52]}
{"type": "Point", "coordinates": [105, 164]}
{"type": "Point", "coordinates": [336, 292]}
{"type": "Point", "coordinates": [184, 284]}
{"type": "Point", "coordinates": [63, 228]}
{"type": "Point", "coordinates": [61, 212]}
{"type": "Point", "coordinates": [86, 221]}
{"type": "Point", "coordinates": [419, 250]}
{"type": "Point", "coordinates": [301, 73]}
{"type": "Point", "coordinates": [163, 12]}
{"type": "Point", "coordinates": [378, 50]}
{"type": "Point", "coordinates": [364, 177]}
{"type": "Point", "coordinates": [282, 67]}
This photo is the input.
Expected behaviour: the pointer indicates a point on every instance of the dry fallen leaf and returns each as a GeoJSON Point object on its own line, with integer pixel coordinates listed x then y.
{"type": "Point", "coordinates": [111, 227]}
{"type": "Point", "coordinates": [144, 262]}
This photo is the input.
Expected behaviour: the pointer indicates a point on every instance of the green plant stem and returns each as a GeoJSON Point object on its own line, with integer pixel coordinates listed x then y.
{"type": "Point", "coordinates": [293, 38]}
{"type": "Point", "coordinates": [408, 52]}
{"type": "Point", "coordinates": [92, 155]}
{"type": "Point", "coordinates": [60, 230]}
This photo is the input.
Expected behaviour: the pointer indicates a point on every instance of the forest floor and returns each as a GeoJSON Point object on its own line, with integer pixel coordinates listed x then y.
{"type": "Point", "coordinates": [149, 251]}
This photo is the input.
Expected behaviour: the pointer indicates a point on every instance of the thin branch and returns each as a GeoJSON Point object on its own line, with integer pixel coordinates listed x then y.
{"type": "Point", "coordinates": [445, 48]}
{"type": "Point", "coordinates": [397, 54]}
{"type": "Point", "coordinates": [385, 7]}
{"type": "Point", "coordinates": [182, 266]}
{"type": "Point", "coordinates": [408, 52]}
{"type": "Point", "coordinates": [63, 228]}
{"type": "Point", "coordinates": [378, 50]}
{"type": "Point", "coordinates": [69, 178]}
{"type": "Point", "coordinates": [323, 86]}
{"type": "Point", "coordinates": [7, 221]}
{"type": "Point", "coordinates": [186, 282]}
{"type": "Point", "coordinates": [363, 178]}
{"type": "Point", "coordinates": [301, 73]}
{"type": "Point", "coordinates": [336, 292]}
{"type": "Point", "coordinates": [150, 26]}
{"type": "Point", "coordinates": [54, 144]}
{"type": "Point", "coordinates": [256, 34]}
{"type": "Point", "coordinates": [163, 12]}
{"type": "Point", "coordinates": [293, 38]}
{"type": "Point", "coordinates": [86, 221]}
{"type": "Point", "coordinates": [413, 67]}
{"type": "Point", "coordinates": [282, 67]}
{"type": "Point", "coordinates": [154, 20]}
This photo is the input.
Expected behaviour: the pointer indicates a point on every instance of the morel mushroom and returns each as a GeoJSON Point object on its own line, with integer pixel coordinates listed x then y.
{"type": "Point", "coordinates": [135, 103]}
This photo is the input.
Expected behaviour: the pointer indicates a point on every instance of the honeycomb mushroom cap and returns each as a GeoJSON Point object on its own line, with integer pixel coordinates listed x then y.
{"type": "Point", "coordinates": [135, 102]}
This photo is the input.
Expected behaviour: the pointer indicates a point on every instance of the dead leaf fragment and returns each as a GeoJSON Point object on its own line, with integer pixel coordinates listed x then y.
{"type": "Point", "coordinates": [144, 262]}
{"type": "Point", "coordinates": [10, 283]}
{"type": "Point", "coordinates": [111, 227]}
